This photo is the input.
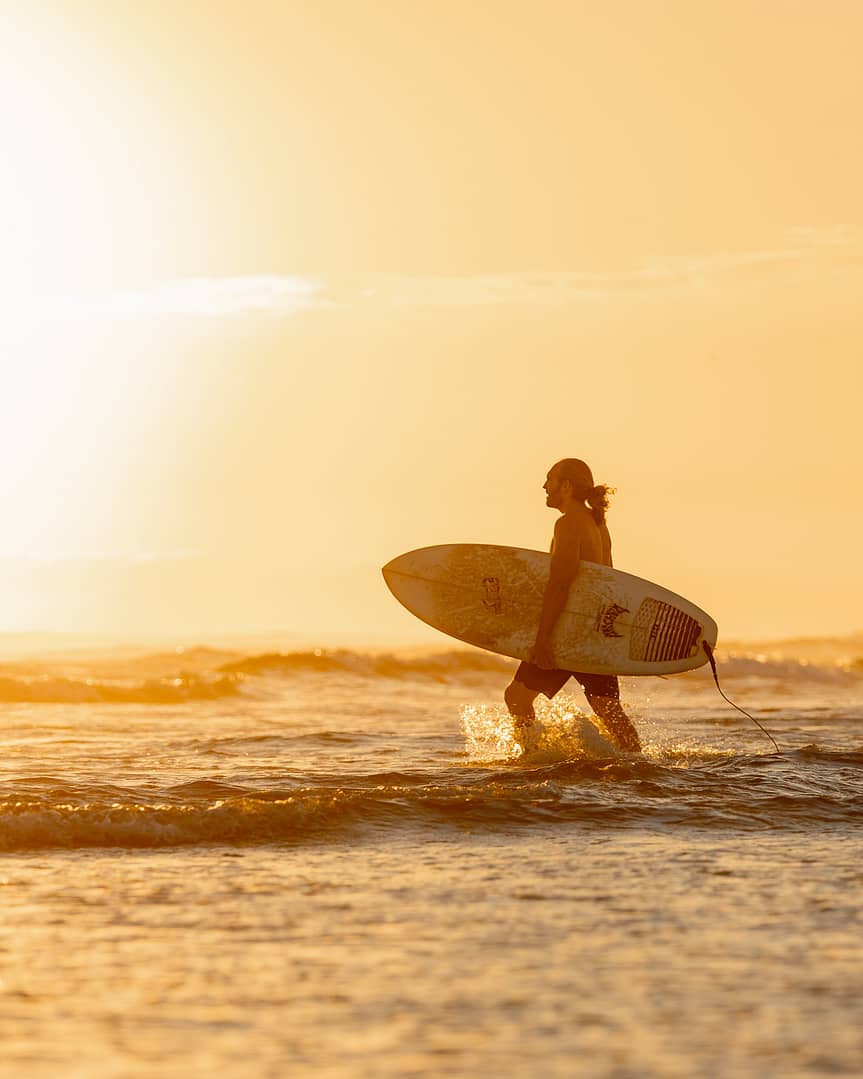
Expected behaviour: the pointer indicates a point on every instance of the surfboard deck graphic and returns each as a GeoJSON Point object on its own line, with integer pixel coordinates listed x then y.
{"type": "Point", "coordinates": [491, 597]}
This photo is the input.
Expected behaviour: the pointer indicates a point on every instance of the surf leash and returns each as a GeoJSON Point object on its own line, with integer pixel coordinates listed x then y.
{"type": "Point", "coordinates": [709, 653]}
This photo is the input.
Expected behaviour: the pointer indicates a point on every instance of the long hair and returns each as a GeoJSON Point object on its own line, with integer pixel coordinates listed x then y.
{"type": "Point", "coordinates": [597, 496]}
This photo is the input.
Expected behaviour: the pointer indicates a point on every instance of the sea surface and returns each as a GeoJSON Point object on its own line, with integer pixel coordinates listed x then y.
{"type": "Point", "coordinates": [336, 862]}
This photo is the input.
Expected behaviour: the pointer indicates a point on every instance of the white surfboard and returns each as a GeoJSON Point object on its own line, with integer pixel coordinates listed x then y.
{"type": "Point", "coordinates": [613, 622]}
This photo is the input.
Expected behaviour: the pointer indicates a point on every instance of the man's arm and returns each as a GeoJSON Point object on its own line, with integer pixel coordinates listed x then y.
{"type": "Point", "coordinates": [565, 560]}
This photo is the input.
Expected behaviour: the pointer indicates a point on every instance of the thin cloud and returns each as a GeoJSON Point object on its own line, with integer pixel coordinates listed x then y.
{"type": "Point", "coordinates": [197, 297]}
{"type": "Point", "coordinates": [807, 251]}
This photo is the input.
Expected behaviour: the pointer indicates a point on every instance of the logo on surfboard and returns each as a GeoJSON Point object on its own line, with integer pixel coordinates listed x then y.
{"type": "Point", "coordinates": [492, 598]}
{"type": "Point", "coordinates": [607, 616]}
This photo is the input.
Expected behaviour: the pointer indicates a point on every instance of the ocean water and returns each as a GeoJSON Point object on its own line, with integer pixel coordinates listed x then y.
{"type": "Point", "coordinates": [337, 863]}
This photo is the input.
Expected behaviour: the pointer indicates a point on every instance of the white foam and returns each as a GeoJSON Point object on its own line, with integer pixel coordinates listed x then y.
{"type": "Point", "coordinates": [567, 733]}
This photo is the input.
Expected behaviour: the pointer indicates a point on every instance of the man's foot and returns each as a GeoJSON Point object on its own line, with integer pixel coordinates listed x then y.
{"type": "Point", "coordinates": [528, 733]}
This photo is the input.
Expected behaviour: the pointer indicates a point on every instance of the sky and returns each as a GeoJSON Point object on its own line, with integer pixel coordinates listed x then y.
{"type": "Point", "coordinates": [288, 289]}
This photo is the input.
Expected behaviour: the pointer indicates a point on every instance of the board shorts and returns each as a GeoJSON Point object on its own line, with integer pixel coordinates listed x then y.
{"type": "Point", "coordinates": [551, 682]}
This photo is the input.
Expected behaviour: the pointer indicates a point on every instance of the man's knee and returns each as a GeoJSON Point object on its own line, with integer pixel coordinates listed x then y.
{"type": "Point", "coordinates": [519, 699]}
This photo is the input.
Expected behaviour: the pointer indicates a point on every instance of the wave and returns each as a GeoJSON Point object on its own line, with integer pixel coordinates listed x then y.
{"type": "Point", "coordinates": [200, 674]}
{"type": "Point", "coordinates": [47, 689]}
{"type": "Point", "coordinates": [437, 665]}
{"type": "Point", "coordinates": [458, 664]}
{"type": "Point", "coordinates": [788, 671]}
{"type": "Point", "coordinates": [802, 790]}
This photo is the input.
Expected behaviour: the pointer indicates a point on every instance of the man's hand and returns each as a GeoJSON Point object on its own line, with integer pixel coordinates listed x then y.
{"type": "Point", "coordinates": [542, 656]}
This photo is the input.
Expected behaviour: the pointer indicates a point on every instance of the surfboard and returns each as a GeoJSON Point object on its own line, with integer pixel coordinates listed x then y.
{"type": "Point", "coordinates": [491, 597]}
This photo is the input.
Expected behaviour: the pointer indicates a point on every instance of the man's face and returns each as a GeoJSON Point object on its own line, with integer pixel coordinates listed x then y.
{"type": "Point", "coordinates": [552, 487]}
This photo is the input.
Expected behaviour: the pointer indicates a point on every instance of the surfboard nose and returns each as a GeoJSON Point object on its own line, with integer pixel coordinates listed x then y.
{"type": "Point", "coordinates": [411, 563]}
{"type": "Point", "coordinates": [391, 568]}
{"type": "Point", "coordinates": [391, 572]}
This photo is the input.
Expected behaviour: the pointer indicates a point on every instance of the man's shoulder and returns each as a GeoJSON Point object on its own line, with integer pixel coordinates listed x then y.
{"type": "Point", "coordinates": [581, 531]}
{"type": "Point", "coordinates": [569, 527]}
{"type": "Point", "coordinates": [574, 521]}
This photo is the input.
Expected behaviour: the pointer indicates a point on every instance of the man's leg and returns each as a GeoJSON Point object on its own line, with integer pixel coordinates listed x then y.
{"type": "Point", "coordinates": [616, 722]}
{"type": "Point", "coordinates": [527, 684]}
{"type": "Point", "coordinates": [519, 700]}
{"type": "Point", "coordinates": [603, 696]}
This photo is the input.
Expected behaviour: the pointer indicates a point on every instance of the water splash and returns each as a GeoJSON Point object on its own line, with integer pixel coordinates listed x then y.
{"type": "Point", "coordinates": [567, 734]}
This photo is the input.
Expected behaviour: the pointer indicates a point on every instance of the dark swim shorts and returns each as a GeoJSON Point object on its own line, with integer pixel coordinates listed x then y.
{"type": "Point", "coordinates": [551, 682]}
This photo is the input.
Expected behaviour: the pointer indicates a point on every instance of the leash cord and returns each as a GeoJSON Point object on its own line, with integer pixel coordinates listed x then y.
{"type": "Point", "coordinates": [709, 653]}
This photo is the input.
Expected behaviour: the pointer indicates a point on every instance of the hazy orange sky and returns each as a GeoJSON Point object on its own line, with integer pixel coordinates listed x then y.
{"type": "Point", "coordinates": [287, 289]}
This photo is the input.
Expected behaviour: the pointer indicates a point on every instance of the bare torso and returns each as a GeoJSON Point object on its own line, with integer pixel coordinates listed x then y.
{"type": "Point", "coordinates": [583, 536]}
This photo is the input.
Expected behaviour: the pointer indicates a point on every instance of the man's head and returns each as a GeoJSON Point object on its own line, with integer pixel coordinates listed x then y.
{"type": "Point", "coordinates": [568, 480]}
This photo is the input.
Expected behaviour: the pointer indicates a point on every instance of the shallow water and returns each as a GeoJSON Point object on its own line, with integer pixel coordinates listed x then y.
{"type": "Point", "coordinates": [348, 869]}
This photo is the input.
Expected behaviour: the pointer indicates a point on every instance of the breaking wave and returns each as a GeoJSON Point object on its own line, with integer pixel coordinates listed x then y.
{"type": "Point", "coordinates": [48, 689]}
{"type": "Point", "coordinates": [201, 674]}
{"type": "Point", "coordinates": [790, 671]}
{"type": "Point", "coordinates": [214, 678]}
{"type": "Point", "coordinates": [437, 665]}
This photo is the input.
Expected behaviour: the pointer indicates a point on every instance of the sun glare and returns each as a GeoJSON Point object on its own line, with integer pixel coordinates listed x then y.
{"type": "Point", "coordinates": [38, 182]}
{"type": "Point", "coordinates": [84, 172]}
{"type": "Point", "coordinates": [76, 222]}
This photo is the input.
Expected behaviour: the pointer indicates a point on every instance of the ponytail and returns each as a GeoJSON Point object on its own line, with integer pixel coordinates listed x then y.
{"type": "Point", "coordinates": [598, 498]}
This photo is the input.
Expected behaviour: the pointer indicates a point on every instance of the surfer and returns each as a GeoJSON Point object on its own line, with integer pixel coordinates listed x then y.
{"type": "Point", "coordinates": [581, 532]}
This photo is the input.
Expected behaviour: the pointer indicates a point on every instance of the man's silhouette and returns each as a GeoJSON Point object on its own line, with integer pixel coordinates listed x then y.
{"type": "Point", "coordinates": [580, 533]}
